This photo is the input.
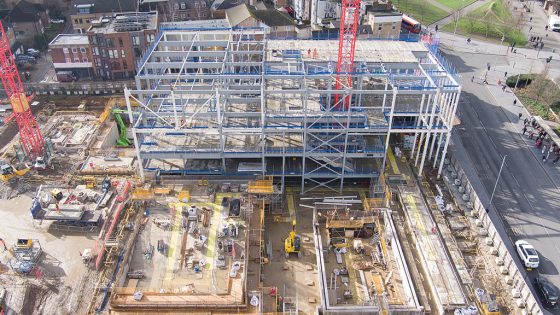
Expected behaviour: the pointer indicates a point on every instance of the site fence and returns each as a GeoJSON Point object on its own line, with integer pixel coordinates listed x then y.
{"type": "Point", "coordinates": [78, 88]}
{"type": "Point", "coordinates": [510, 269]}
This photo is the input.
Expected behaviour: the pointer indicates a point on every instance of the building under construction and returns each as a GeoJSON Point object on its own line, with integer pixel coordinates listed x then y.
{"type": "Point", "coordinates": [229, 104]}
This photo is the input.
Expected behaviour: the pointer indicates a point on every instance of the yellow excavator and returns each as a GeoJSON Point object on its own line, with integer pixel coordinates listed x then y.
{"type": "Point", "coordinates": [292, 243]}
{"type": "Point", "coordinates": [8, 173]}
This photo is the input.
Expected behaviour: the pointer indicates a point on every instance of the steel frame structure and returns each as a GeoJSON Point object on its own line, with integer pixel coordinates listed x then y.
{"type": "Point", "coordinates": [230, 104]}
{"type": "Point", "coordinates": [29, 133]}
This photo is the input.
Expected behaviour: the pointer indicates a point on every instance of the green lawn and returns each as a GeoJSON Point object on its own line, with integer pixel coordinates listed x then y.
{"type": "Point", "coordinates": [421, 10]}
{"type": "Point", "coordinates": [492, 21]}
{"type": "Point", "coordinates": [455, 4]}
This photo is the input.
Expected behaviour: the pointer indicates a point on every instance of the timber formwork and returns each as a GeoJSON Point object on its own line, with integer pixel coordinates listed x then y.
{"type": "Point", "coordinates": [230, 104]}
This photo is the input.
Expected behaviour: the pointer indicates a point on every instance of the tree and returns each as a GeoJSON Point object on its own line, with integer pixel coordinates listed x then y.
{"type": "Point", "coordinates": [456, 16]}
{"type": "Point", "coordinates": [472, 22]}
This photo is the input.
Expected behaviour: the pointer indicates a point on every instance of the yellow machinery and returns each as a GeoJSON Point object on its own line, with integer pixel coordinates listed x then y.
{"type": "Point", "coordinates": [292, 243]}
{"type": "Point", "coordinates": [90, 182]}
{"type": "Point", "coordinates": [9, 172]}
{"type": "Point", "coordinates": [23, 243]}
{"type": "Point", "coordinates": [486, 303]}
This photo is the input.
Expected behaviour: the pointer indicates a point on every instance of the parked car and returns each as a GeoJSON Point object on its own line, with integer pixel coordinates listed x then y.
{"type": "Point", "coordinates": [528, 254]}
{"type": "Point", "coordinates": [23, 59]}
{"type": "Point", "coordinates": [66, 76]}
{"type": "Point", "coordinates": [548, 292]}
{"type": "Point", "coordinates": [33, 52]}
{"type": "Point", "coordinates": [57, 21]}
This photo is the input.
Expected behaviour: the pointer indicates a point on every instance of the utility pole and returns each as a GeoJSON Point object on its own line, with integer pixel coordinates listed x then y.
{"type": "Point", "coordinates": [497, 179]}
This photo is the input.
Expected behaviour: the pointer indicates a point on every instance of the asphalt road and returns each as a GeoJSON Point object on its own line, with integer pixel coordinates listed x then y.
{"type": "Point", "coordinates": [526, 197]}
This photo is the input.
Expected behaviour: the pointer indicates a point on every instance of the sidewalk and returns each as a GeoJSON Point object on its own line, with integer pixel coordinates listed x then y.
{"type": "Point", "coordinates": [505, 100]}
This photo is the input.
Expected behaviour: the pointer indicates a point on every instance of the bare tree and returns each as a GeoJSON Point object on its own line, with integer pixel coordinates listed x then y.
{"type": "Point", "coordinates": [456, 16]}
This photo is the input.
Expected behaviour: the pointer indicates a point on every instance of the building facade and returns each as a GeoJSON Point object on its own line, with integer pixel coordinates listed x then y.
{"type": "Point", "coordinates": [384, 20]}
{"type": "Point", "coordinates": [275, 23]}
{"type": "Point", "coordinates": [118, 42]}
{"type": "Point", "coordinates": [72, 52]}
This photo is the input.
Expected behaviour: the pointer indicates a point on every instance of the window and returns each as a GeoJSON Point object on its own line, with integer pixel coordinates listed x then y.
{"type": "Point", "coordinates": [103, 53]}
{"type": "Point", "coordinates": [123, 55]}
{"type": "Point", "coordinates": [124, 64]}
{"type": "Point", "coordinates": [121, 42]}
{"type": "Point", "coordinates": [394, 25]}
{"type": "Point", "coordinates": [93, 40]}
{"type": "Point", "coordinates": [74, 50]}
{"type": "Point", "coordinates": [98, 62]}
{"type": "Point", "coordinates": [183, 6]}
{"type": "Point", "coordinates": [81, 21]}
{"type": "Point", "coordinates": [203, 4]}
{"type": "Point", "coordinates": [109, 42]}
{"type": "Point", "coordinates": [76, 59]}
{"type": "Point", "coordinates": [135, 40]}
{"type": "Point", "coordinates": [95, 51]}
{"type": "Point", "coordinates": [379, 27]}
{"type": "Point", "coordinates": [82, 50]}
{"type": "Point", "coordinates": [65, 50]}
{"type": "Point", "coordinates": [176, 6]}
{"type": "Point", "coordinates": [116, 53]}
{"type": "Point", "coordinates": [87, 20]}
{"type": "Point", "coordinates": [183, 16]}
{"type": "Point", "coordinates": [68, 60]}
{"type": "Point", "coordinates": [137, 52]}
{"type": "Point", "coordinates": [111, 54]}
{"type": "Point", "coordinates": [150, 38]}
{"type": "Point", "coordinates": [85, 59]}
{"type": "Point", "coordinates": [75, 21]}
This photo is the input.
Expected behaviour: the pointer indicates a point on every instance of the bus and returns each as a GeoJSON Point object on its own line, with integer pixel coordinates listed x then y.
{"type": "Point", "coordinates": [411, 24]}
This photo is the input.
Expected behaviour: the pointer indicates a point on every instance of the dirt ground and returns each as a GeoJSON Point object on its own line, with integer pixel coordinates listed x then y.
{"type": "Point", "coordinates": [293, 277]}
{"type": "Point", "coordinates": [61, 279]}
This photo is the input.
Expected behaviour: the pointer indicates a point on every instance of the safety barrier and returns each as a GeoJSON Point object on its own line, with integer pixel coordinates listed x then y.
{"type": "Point", "coordinates": [499, 243]}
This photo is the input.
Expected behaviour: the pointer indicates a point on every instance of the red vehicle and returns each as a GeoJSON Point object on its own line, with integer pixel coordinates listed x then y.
{"type": "Point", "coordinates": [411, 24]}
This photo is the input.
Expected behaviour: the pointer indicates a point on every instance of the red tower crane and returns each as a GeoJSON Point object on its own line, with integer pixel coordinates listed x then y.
{"type": "Point", "coordinates": [29, 133]}
{"type": "Point", "coordinates": [346, 45]}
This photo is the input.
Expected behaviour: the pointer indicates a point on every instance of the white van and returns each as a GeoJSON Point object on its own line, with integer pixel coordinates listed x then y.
{"type": "Point", "coordinates": [554, 23]}
{"type": "Point", "coordinates": [528, 254]}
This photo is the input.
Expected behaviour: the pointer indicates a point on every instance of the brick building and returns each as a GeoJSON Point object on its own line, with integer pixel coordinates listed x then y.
{"type": "Point", "coordinates": [118, 42]}
{"type": "Point", "coordinates": [71, 52]}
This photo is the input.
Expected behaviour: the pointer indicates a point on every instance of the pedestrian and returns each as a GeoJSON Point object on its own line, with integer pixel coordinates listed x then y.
{"type": "Point", "coordinates": [503, 88]}
{"type": "Point", "coordinates": [499, 82]}
{"type": "Point", "coordinates": [556, 159]}
{"type": "Point", "coordinates": [525, 121]}
{"type": "Point", "coordinates": [515, 103]}
{"type": "Point", "coordinates": [530, 28]}
{"type": "Point", "coordinates": [542, 45]}
{"type": "Point", "coordinates": [538, 143]}
{"type": "Point", "coordinates": [524, 129]}
{"type": "Point", "coordinates": [520, 114]}
{"type": "Point", "coordinates": [472, 78]}
{"type": "Point", "coordinates": [531, 134]}
{"type": "Point", "coordinates": [530, 19]}
{"type": "Point", "coordinates": [546, 28]}
{"type": "Point", "coordinates": [505, 74]}
{"type": "Point", "coordinates": [544, 158]}
{"type": "Point", "coordinates": [468, 40]}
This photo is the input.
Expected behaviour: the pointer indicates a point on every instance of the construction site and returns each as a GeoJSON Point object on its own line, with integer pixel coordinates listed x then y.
{"type": "Point", "coordinates": [247, 175]}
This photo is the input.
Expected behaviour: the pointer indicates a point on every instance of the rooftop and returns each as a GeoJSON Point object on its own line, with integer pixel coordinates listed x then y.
{"type": "Point", "coordinates": [125, 22]}
{"type": "Point", "coordinates": [25, 11]}
{"type": "Point", "coordinates": [242, 12]}
{"type": "Point", "coordinates": [102, 6]}
{"type": "Point", "coordinates": [69, 39]}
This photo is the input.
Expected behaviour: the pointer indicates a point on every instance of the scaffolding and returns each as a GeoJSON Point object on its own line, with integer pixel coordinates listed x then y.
{"type": "Point", "coordinates": [229, 103]}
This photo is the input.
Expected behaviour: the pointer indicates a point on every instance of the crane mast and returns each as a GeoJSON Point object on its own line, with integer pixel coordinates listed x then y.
{"type": "Point", "coordinates": [29, 133]}
{"type": "Point", "coordinates": [346, 45]}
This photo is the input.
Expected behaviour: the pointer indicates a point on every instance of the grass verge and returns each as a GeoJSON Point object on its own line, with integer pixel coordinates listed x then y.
{"type": "Point", "coordinates": [421, 10]}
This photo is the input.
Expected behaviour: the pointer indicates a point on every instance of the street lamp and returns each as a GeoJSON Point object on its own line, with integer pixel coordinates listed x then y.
{"type": "Point", "coordinates": [497, 179]}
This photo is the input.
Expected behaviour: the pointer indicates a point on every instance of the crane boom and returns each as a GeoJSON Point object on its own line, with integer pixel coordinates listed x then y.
{"type": "Point", "coordinates": [29, 133]}
{"type": "Point", "coordinates": [346, 45]}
